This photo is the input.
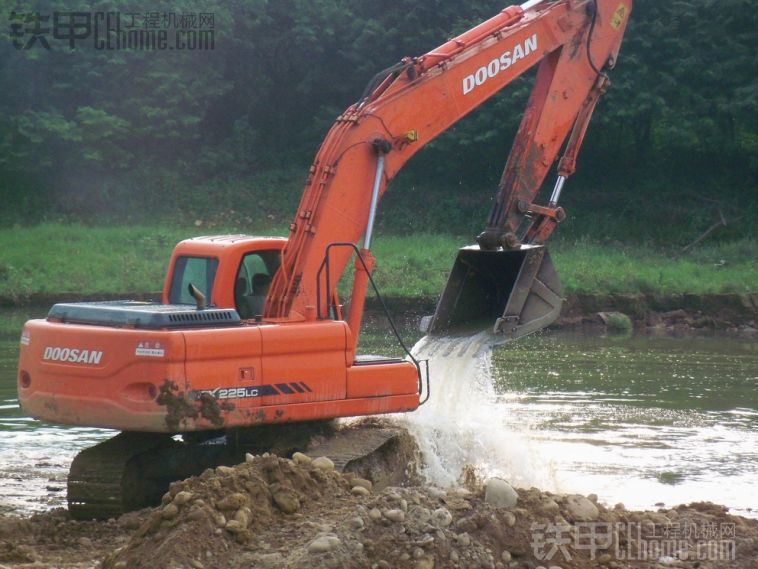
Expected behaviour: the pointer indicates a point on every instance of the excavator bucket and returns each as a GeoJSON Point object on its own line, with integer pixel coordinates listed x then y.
{"type": "Point", "coordinates": [513, 293]}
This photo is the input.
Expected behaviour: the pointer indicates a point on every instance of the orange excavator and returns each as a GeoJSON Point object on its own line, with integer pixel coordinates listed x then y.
{"type": "Point", "coordinates": [251, 339]}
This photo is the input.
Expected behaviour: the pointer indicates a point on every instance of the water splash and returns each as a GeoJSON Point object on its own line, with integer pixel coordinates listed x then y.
{"type": "Point", "coordinates": [464, 424]}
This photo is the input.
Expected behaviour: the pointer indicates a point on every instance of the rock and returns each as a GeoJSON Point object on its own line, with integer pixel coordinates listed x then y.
{"type": "Point", "coordinates": [225, 470]}
{"type": "Point", "coordinates": [170, 512]}
{"type": "Point", "coordinates": [243, 516]}
{"type": "Point", "coordinates": [287, 501]}
{"type": "Point", "coordinates": [425, 563]}
{"type": "Point", "coordinates": [394, 515]}
{"type": "Point", "coordinates": [84, 542]}
{"type": "Point", "coordinates": [593, 498]}
{"type": "Point", "coordinates": [441, 517]}
{"type": "Point", "coordinates": [182, 498]}
{"type": "Point", "coordinates": [359, 491]}
{"type": "Point", "coordinates": [463, 540]}
{"type": "Point", "coordinates": [233, 526]}
{"type": "Point", "coordinates": [249, 457]}
{"type": "Point", "coordinates": [374, 514]}
{"type": "Point", "coordinates": [119, 565]}
{"type": "Point", "coordinates": [356, 523]}
{"type": "Point", "coordinates": [604, 559]}
{"type": "Point", "coordinates": [454, 556]}
{"type": "Point", "coordinates": [420, 515]}
{"type": "Point", "coordinates": [580, 509]}
{"type": "Point", "coordinates": [506, 556]}
{"type": "Point", "coordinates": [323, 463]}
{"type": "Point", "coordinates": [500, 494]}
{"type": "Point", "coordinates": [196, 514]}
{"type": "Point", "coordinates": [435, 492]}
{"type": "Point", "coordinates": [549, 507]}
{"type": "Point", "coordinates": [367, 484]}
{"type": "Point", "coordinates": [323, 544]}
{"type": "Point", "coordinates": [232, 502]}
{"type": "Point", "coordinates": [382, 564]}
{"type": "Point", "coordinates": [509, 519]}
{"type": "Point", "coordinates": [196, 564]}
{"type": "Point", "coordinates": [301, 458]}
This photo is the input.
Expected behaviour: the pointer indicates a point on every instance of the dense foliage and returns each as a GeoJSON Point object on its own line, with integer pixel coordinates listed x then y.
{"type": "Point", "coordinates": [228, 133]}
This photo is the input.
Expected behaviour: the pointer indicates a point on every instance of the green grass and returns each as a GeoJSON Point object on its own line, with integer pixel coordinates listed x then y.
{"type": "Point", "coordinates": [56, 258]}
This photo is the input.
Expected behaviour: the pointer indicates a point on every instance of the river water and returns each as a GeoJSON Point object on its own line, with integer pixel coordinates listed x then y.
{"type": "Point", "coordinates": [637, 420]}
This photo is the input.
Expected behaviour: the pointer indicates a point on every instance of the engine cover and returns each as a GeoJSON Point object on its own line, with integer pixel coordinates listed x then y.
{"type": "Point", "coordinates": [145, 315]}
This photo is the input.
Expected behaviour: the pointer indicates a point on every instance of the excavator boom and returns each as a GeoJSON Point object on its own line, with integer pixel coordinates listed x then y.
{"type": "Point", "coordinates": [571, 43]}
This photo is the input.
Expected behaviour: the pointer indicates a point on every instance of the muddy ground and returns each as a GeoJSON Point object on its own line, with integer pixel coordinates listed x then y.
{"type": "Point", "coordinates": [271, 512]}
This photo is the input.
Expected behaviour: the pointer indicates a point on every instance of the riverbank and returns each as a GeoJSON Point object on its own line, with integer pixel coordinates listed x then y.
{"type": "Point", "coordinates": [63, 258]}
{"type": "Point", "coordinates": [732, 313]}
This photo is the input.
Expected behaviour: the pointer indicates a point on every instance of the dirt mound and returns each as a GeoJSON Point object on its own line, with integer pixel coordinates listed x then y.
{"type": "Point", "coordinates": [275, 513]}
{"type": "Point", "coordinates": [299, 514]}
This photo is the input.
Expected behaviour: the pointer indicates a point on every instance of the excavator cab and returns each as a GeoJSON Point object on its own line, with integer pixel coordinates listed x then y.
{"type": "Point", "coordinates": [512, 292]}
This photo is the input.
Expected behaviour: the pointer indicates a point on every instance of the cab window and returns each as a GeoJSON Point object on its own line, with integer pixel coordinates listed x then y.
{"type": "Point", "coordinates": [200, 271]}
{"type": "Point", "coordinates": [253, 280]}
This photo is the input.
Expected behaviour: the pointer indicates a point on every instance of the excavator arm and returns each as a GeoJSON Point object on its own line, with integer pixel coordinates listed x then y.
{"type": "Point", "coordinates": [404, 108]}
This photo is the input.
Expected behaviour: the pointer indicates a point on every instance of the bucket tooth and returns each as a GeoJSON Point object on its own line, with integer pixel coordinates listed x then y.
{"type": "Point", "coordinates": [511, 292]}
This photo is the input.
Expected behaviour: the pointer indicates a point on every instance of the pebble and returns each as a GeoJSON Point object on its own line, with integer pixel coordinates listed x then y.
{"type": "Point", "coordinates": [356, 523]}
{"type": "Point", "coordinates": [84, 542]}
{"type": "Point", "coordinates": [182, 498]}
{"type": "Point", "coordinates": [441, 517]}
{"type": "Point", "coordinates": [463, 540]}
{"type": "Point", "coordinates": [500, 494]}
{"type": "Point", "coordinates": [323, 544]}
{"type": "Point", "coordinates": [375, 514]}
{"type": "Point", "coordinates": [170, 512]}
{"type": "Point", "coordinates": [435, 492]}
{"type": "Point", "coordinates": [301, 458]}
{"type": "Point", "coordinates": [506, 556]}
{"type": "Point", "coordinates": [425, 563]}
{"type": "Point", "coordinates": [323, 463]}
{"type": "Point", "coordinates": [196, 514]}
{"type": "Point", "coordinates": [394, 515]}
{"type": "Point", "coordinates": [359, 491]}
{"type": "Point", "coordinates": [286, 501]}
{"type": "Point", "coordinates": [196, 564]}
{"type": "Point", "coordinates": [243, 516]}
{"type": "Point", "coordinates": [232, 502]}
{"type": "Point", "coordinates": [233, 526]}
{"type": "Point", "coordinates": [604, 559]}
{"type": "Point", "coordinates": [367, 484]}
{"type": "Point", "coordinates": [382, 564]}
{"type": "Point", "coordinates": [224, 469]}
{"type": "Point", "coordinates": [509, 518]}
{"type": "Point", "coordinates": [249, 457]}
